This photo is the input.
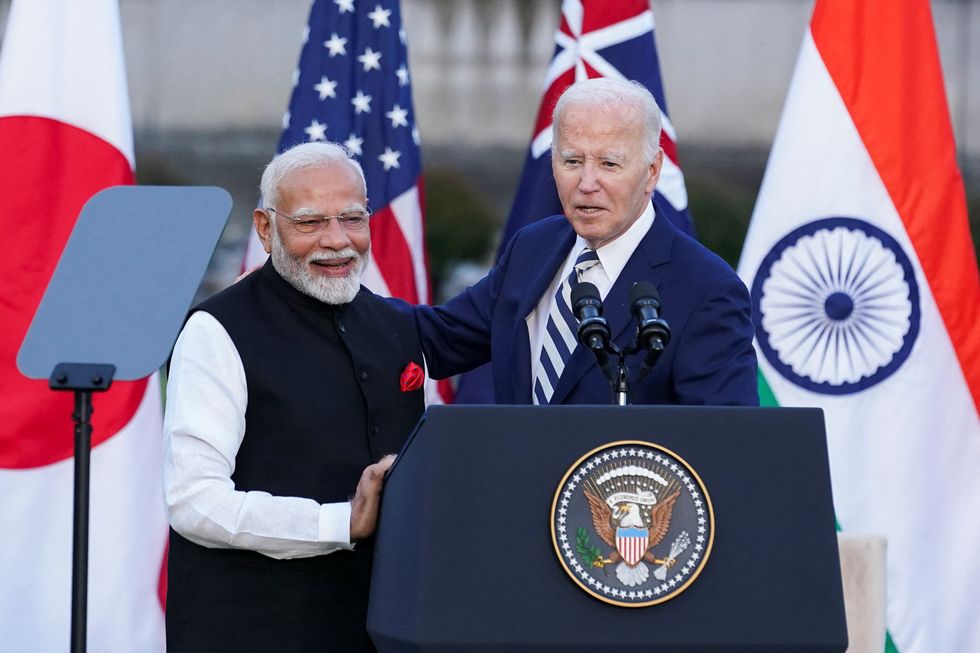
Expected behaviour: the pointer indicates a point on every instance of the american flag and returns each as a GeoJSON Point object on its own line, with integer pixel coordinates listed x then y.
{"type": "Point", "coordinates": [596, 38]}
{"type": "Point", "coordinates": [353, 87]}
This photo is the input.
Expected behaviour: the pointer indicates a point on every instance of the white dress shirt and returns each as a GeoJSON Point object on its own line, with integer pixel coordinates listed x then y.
{"type": "Point", "coordinates": [613, 257]}
{"type": "Point", "coordinates": [202, 432]}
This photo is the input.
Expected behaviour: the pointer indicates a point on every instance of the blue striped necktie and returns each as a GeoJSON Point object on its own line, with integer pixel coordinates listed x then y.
{"type": "Point", "coordinates": [560, 338]}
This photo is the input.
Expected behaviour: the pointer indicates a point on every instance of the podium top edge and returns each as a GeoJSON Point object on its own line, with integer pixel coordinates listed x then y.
{"type": "Point", "coordinates": [633, 408]}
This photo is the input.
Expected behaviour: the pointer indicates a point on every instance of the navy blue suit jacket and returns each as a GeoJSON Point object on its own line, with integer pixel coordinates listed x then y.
{"type": "Point", "coordinates": [709, 360]}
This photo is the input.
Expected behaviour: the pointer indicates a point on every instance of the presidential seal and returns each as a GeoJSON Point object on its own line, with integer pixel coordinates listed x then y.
{"type": "Point", "coordinates": [632, 524]}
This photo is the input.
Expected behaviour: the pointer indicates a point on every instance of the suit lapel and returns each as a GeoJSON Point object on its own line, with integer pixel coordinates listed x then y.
{"type": "Point", "coordinates": [653, 250]}
{"type": "Point", "coordinates": [544, 266]}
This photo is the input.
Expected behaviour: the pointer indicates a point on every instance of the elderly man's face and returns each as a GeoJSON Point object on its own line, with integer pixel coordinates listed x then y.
{"type": "Point", "coordinates": [603, 181]}
{"type": "Point", "coordinates": [326, 264]}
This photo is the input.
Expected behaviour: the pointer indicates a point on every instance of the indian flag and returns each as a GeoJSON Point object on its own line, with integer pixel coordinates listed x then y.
{"type": "Point", "coordinates": [66, 134]}
{"type": "Point", "coordinates": [866, 303]}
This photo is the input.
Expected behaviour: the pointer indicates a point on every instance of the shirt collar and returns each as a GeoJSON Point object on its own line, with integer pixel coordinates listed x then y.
{"type": "Point", "coordinates": [614, 256]}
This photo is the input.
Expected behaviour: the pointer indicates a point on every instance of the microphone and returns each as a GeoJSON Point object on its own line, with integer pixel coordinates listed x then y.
{"type": "Point", "coordinates": [652, 331]}
{"type": "Point", "coordinates": [593, 330]}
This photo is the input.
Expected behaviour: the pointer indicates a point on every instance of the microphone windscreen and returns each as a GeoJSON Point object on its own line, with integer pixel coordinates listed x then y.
{"type": "Point", "coordinates": [643, 290]}
{"type": "Point", "coordinates": [585, 290]}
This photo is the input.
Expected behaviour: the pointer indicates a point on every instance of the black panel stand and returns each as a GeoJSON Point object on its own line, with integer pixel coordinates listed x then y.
{"type": "Point", "coordinates": [83, 379]}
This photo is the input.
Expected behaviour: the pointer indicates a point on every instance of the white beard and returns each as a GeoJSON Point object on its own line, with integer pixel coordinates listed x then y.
{"type": "Point", "coordinates": [329, 290]}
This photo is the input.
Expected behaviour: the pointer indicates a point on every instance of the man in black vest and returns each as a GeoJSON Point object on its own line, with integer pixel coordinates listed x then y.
{"type": "Point", "coordinates": [284, 390]}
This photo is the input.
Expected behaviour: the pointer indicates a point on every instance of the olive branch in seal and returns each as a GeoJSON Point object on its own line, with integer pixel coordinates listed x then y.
{"type": "Point", "coordinates": [590, 554]}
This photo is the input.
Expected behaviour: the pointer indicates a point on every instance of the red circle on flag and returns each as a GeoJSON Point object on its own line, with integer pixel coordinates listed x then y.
{"type": "Point", "coordinates": [48, 171]}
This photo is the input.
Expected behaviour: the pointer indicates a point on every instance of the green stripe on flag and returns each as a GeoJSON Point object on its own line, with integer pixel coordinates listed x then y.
{"type": "Point", "coordinates": [889, 644]}
{"type": "Point", "coordinates": [766, 398]}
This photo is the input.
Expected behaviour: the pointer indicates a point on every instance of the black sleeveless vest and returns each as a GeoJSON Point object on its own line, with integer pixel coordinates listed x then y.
{"type": "Point", "coordinates": [324, 401]}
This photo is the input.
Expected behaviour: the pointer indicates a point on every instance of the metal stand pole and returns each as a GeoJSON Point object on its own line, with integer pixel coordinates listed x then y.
{"type": "Point", "coordinates": [79, 579]}
{"type": "Point", "coordinates": [83, 379]}
{"type": "Point", "coordinates": [621, 390]}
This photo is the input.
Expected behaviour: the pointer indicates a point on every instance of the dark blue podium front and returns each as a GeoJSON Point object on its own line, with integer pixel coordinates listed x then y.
{"type": "Point", "coordinates": [464, 559]}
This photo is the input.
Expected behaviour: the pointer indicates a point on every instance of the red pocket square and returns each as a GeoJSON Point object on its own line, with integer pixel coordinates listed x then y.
{"type": "Point", "coordinates": [412, 377]}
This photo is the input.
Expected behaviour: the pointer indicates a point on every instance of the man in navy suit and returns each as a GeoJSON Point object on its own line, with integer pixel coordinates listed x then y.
{"type": "Point", "coordinates": [606, 159]}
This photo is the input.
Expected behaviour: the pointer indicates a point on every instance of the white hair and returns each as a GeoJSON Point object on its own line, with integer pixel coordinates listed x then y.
{"type": "Point", "coordinates": [301, 157]}
{"type": "Point", "coordinates": [608, 92]}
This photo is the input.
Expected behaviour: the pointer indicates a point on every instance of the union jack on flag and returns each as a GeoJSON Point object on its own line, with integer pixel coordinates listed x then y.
{"type": "Point", "coordinates": [352, 86]}
{"type": "Point", "coordinates": [596, 38]}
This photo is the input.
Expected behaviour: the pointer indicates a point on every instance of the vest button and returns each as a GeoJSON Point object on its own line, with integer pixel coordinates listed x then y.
{"type": "Point", "coordinates": [375, 430]}
{"type": "Point", "coordinates": [341, 327]}
{"type": "Point", "coordinates": [362, 375]}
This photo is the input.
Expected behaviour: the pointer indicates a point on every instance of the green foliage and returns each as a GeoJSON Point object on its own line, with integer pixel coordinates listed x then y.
{"type": "Point", "coordinates": [460, 224]}
{"type": "Point", "coordinates": [721, 211]}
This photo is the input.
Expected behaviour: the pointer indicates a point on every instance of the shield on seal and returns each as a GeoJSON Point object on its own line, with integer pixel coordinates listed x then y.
{"type": "Point", "coordinates": [632, 544]}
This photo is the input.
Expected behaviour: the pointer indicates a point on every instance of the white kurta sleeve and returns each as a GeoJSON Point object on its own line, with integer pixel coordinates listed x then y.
{"type": "Point", "coordinates": [202, 432]}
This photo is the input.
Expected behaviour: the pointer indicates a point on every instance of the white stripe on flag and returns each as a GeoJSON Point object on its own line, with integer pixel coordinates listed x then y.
{"type": "Point", "coordinates": [407, 209]}
{"type": "Point", "coordinates": [59, 77]}
{"type": "Point", "coordinates": [671, 185]}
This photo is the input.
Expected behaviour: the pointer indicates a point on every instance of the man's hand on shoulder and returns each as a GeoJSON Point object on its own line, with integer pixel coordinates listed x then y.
{"type": "Point", "coordinates": [364, 505]}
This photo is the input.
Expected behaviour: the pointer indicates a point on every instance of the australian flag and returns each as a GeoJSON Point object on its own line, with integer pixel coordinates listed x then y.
{"type": "Point", "coordinates": [596, 38]}
{"type": "Point", "coordinates": [353, 87]}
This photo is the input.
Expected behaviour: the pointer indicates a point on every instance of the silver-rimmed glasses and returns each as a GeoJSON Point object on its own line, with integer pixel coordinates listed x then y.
{"type": "Point", "coordinates": [308, 223]}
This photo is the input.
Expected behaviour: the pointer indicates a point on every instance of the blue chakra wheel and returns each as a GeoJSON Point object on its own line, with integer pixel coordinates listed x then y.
{"type": "Point", "coordinates": [836, 306]}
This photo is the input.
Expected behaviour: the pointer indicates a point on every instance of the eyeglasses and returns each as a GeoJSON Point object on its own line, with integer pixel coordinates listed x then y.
{"type": "Point", "coordinates": [308, 223]}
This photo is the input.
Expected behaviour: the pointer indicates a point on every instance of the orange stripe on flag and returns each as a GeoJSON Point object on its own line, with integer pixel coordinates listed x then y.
{"type": "Point", "coordinates": [885, 64]}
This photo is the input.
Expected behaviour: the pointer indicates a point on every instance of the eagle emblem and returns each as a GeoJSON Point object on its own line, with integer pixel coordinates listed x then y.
{"type": "Point", "coordinates": [643, 503]}
{"type": "Point", "coordinates": [631, 521]}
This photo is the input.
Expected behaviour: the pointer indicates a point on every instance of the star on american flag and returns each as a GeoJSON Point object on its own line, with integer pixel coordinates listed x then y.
{"type": "Point", "coordinates": [335, 45]}
{"type": "Point", "coordinates": [316, 131]}
{"type": "Point", "coordinates": [326, 88]}
{"type": "Point", "coordinates": [380, 17]}
{"type": "Point", "coordinates": [398, 117]}
{"type": "Point", "coordinates": [389, 158]}
{"type": "Point", "coordinates": [354, 143]}
{"type": "Point", "coordinates": [361, 102]}
{"type": "Point", "coordinates": [370, 59]}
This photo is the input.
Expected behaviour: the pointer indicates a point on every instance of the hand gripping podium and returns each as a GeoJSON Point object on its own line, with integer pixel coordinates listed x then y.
{"type": "Point", "coordinates": [470, 542]}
